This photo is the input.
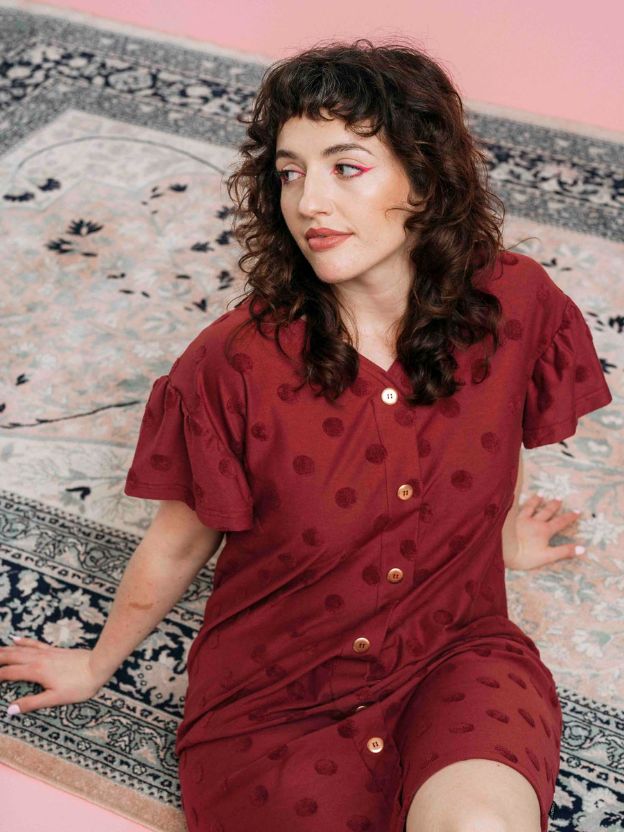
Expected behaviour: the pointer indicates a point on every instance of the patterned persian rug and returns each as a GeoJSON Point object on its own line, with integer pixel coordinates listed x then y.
{"type": "Point", "coordinates": [117, 252]}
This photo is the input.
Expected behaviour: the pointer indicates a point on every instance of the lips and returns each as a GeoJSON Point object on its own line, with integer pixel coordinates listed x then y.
{"type": "Point", "coordinates": [324, 232]}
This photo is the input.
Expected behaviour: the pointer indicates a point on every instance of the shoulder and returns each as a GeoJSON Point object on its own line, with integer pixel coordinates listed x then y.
{"type": "Point", "coordinates": [529, 295]}
{"type": "Point", "coordinates": [217, 355]}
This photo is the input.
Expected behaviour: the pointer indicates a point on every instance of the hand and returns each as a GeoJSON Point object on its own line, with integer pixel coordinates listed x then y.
{"type": "Point", "coordinates": [536, 523]}
{"type": "Point", "coordinates": [65, 673]}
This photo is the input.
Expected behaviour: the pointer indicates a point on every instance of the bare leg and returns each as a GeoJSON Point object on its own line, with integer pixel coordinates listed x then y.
{"type": "Point", "coordinates": [475, 795]}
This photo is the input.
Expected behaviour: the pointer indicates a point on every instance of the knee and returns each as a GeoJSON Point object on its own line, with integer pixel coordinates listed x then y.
{"type": "Point", "coordinates": [473, 818]}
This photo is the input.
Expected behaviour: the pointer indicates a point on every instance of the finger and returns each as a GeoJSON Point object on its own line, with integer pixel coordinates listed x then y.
{"type": "Point", "coordinates": [23, 641]}
{"type": "Point", "coordinates": [548, 509]}
{"type": "Point", "coordinates": [530, 504]}
{"type": "Point", "coordinates": [18, 673]}
{"type": "Point", "coordinates": [562, 521]}
{"type": "Point", "coordinates": [567, 550]}
{"type": "Point", "coordinates": [47, 699]}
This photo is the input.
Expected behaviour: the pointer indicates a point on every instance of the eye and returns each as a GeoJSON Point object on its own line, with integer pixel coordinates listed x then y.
{"type": "Point", "coordinates": [282, 175]}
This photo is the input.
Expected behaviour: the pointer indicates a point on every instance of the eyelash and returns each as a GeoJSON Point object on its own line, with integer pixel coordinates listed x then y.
{"type": "Point", "coordinates": [282, 173]}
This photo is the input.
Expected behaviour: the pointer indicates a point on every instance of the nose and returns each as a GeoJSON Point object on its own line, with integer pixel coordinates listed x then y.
{"type": "Point", "coordinates": [315, 195]}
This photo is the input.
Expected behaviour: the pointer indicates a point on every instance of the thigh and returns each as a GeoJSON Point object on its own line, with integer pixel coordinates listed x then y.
{"type": "Point", "coordinates": [493, 702]}
{"type": "Point", "coordinates": [280, 779]}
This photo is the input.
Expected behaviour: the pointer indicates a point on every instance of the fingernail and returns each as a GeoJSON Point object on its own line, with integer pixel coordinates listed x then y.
{"type": "Point", "coordinates": [13, 709]}
{"type": "Point", "coordinates": [578, 550]}
{"type": "Point", "coordinates": [15, 638]}
{"type": "Point", "coordinates": [576, 511]}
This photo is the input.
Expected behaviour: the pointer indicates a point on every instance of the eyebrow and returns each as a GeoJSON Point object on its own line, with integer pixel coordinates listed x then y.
{"type": "Point", "coordinates": [329, 151]}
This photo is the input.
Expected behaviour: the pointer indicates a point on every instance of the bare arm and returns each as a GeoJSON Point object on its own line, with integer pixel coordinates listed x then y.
{"type": "Point", "coordinates": [175, 547]}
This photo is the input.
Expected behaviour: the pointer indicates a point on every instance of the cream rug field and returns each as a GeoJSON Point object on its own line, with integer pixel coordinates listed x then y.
{"type": "Point", "coordinates": [117, 251]}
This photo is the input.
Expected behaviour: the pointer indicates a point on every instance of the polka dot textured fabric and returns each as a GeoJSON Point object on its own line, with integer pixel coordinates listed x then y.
{"type": "Point", "coordinates": [357, 638]}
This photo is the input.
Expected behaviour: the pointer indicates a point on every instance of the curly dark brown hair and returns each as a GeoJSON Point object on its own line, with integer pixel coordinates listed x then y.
{"type": "Point", "coordinates": [398, 90]}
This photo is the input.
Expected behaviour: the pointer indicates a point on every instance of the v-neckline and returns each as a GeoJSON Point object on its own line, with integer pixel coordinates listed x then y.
{"type": "Point", "coordinates": [364, 359]}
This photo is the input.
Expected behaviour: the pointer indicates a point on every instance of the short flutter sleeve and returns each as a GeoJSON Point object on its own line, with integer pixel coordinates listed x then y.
{"type": "Point", "coordinates": [567, 381]}
{"type": "Point", "coordinates": [190, 446]}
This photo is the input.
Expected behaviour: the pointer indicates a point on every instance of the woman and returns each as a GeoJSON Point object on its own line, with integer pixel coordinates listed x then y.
{"type": "Point", "coordinates": [356, 666]}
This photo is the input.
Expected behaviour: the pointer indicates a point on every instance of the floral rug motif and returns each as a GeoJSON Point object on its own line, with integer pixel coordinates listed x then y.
{"type": "Point", "coordinates": [117, 252]}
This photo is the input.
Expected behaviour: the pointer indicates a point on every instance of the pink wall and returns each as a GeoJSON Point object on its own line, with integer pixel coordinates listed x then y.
{"type": "Point", "coordinates": [550, 57]}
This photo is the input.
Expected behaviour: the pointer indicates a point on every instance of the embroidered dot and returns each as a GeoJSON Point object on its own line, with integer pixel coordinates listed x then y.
{"type": "Point", "coordinates": [296, 691]}
{"type": "Point", "coordinates": [303, 465]}
{"type": "Point", "coordinates": [482, 651]}
{"type": "Point", "coordinates": [161, 462]}
{"type": "Point", "coordinates": [259, 795]}
{"type": "Point", "coordinates": [527, 716]}
{"type": "Point", "coordinates": [360, 387]}
{"type": "Point", "coordinates": [359, 823]}
{"type": "Point", "coordinates": [333, 426]}
{"type": "Point", "coordinates": [471, 588]}
{"type": "Point", "coordinates": [498, 715]}
{"type": "Point", "coordinates": [425, 512]}
{"type": "Point", "coordinates": [488, 681]}
{"type": "Point", "coordinates": [537, 690]}
{"type": "Point", "coordinates": [448, 407]}
{"type": "Point", "coordinates": [347, 729]}
{"type": "Point", "coordinates": [511, 648]}
{"type": "Point", "coordinates": [334, 603]}
{"type": "Point", "coordinates": [456, 544]}
{"type": "Point", "coordinates": [581, 373]}
{"type": "Point", "coordinates": [258, 653]}
{"type": "Point", "coordinates": [554, 701]}
{"type": "Point", "coordinates": [305, 807]}
{"type": "Point", "coordinates": [407, 548]}
{"type": "Point", "coordinates": [424, 447]}
{"type": "Point", "coordinates": [509, 755]}
{"type": "Point", "coordinates": [227, 467]}
{"type": "Point", "coordinates": [242, 744]}
{"type": "Point", "coordinates": [287, 393]}
{"type": "Point", "coordinates": [461, 479]}
{"type": "Point", "coordinates": [442, 617]}
{"type": "Point", "coordinates": [233, 405]}
{"type": "Point", "coordinates": [546, 726]}
{"type": "Point", "coordinates": [508, 259]}
{"type": "Point", "coordinates": [345, 497]}
{"type": "Point", "coordinates": [259, 431]}
{"type": "Point", "coordinates": [533, 758]}
{"type": "Point", "coordinates": [490, 442]}
{"type": "Point", "coordinates": [376, 454]}
{"type": "Point", "coordinates": [456, 696]}
{"type": "Point", "coordinates": [371, 575]}
{"type": "Point", "coordinates": [490, 510]}
{"type": "Point", "coordinates": [420, 576]}
{"type": "Point", "coordinates": [518, 680]}
{"type": "Point", "coordinates": [549, 775]}
{"type": "Point", "coordinates": [242, 362]}
{"type": "Point", "coordinates": [461, 728]}
{"type": "Point", "coordinates": [325, 766]}
{"type": "Point", "coordinates": [278, 753]}
{"type": "Point", "coordinates": [433, 754]}
{"type": "Point", "coordinates": [403, 417]}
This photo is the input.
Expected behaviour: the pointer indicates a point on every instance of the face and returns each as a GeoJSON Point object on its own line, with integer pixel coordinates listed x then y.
{"type": "Point", "coordinates": [347, 190]}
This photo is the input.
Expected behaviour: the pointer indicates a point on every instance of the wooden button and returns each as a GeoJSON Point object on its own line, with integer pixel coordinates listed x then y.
{"type": "Point", "coordinates": [389, 395]}
{"type": "Point", "coordinates": [404, 492]}
{"type": "Point", "coordinates": [361, 644]}
{"type": "Point", "coordinates": [375, 744]}
{"type": "Point", "coordinates": [395, 575]}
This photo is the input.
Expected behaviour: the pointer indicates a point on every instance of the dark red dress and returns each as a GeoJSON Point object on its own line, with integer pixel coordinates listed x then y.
{"type": "Point", "coordinates": [357, 639]}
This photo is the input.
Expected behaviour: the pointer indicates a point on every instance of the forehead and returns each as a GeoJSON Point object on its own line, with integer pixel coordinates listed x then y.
{"type": "Point", "coordinates": [301, 133]}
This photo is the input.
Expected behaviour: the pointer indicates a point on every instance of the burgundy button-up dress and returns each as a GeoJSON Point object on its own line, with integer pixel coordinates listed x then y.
{"type": "Point", "coordinates": [357, 639]}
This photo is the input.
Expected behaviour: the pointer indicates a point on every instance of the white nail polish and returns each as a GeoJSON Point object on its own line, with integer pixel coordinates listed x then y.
{"type": "Point", "coordinates": [13, 709]}
{"type": "Point", "coordinates": [578, 550]}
